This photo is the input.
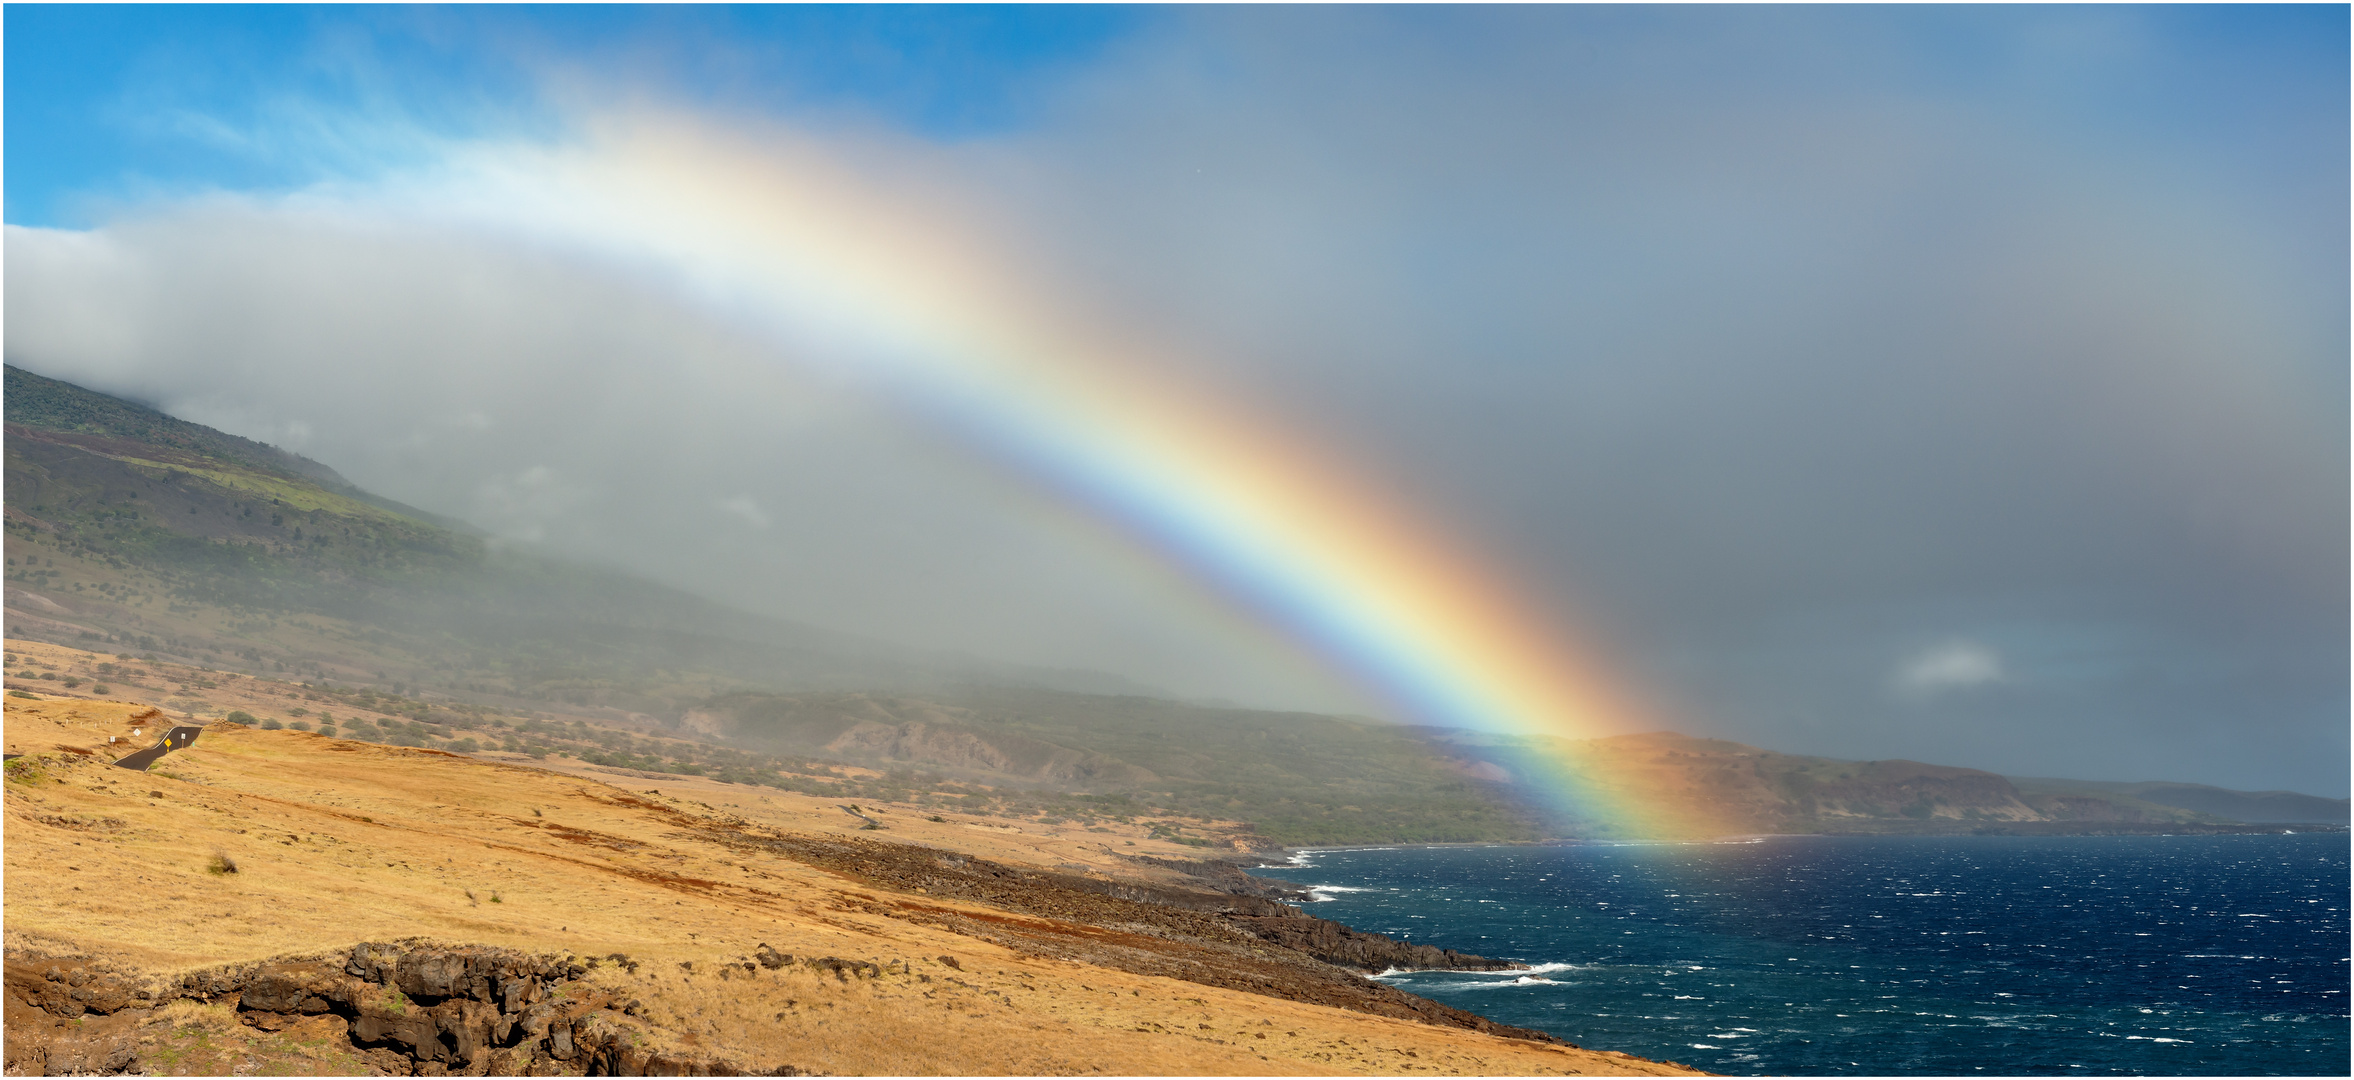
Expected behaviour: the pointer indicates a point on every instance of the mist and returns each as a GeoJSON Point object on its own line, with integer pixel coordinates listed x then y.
{"type": "Point", "coordinates": [1942, 385]}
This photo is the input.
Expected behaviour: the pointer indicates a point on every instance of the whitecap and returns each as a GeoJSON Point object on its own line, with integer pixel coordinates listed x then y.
{"type": "Point", "coordinates": [1492, 984]}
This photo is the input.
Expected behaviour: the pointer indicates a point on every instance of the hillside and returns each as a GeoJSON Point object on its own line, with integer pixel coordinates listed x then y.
{"type": "Point", "coordinates": [2262, 807]}
{"type": "Point", "coordinates": [1663, 784]}
{"type": "Point", "coordinates": [282, 902]}
{"type": "Point", "coordinates": [181, 551]}
{"type": "Point", "coordinates": [1300, 779]}
{"type": "Point", "coordinates": [1315, 780]}
{"type": "Point", "coordinates": [132, 528]}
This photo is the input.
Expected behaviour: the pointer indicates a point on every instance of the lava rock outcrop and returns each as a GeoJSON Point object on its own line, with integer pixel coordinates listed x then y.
{"type": "Point", "coordinates": [409, 1008]}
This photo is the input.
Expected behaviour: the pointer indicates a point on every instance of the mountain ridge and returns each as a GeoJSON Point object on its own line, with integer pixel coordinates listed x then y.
{"type": "Point", "coordinates": [179, 540]}
{"type": "Point", "coordinates": [252, 534]}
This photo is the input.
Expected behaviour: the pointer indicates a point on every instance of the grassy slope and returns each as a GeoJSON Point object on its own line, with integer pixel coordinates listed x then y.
{"type": "Point", "coordinates": [337, 841]}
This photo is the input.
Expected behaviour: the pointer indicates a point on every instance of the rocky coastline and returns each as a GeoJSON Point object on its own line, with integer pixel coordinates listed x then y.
{"type": "Point", "coordinates": [427, 1008]}
{"type": "Point", "coordinates": [1203, 934]}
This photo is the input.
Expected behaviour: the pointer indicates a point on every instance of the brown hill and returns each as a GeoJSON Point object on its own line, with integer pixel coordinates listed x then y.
{"type": "Point", "coordinates": [275, 900]}
{"type": "Point", "coordinates": [1665, 785]}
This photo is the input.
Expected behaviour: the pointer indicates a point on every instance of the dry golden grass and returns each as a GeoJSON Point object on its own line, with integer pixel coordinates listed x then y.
{"type": "Point", "coordinates": [337, 842]}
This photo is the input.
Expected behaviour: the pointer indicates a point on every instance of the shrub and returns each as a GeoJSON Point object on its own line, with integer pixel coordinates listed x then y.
{"type": "Point", "coordinates": [239, 716]}
{"type": "Point", "coordinates": [272, 724]}
{"type": "Point", "coordinates": [300, 725]}
{"type": "Point", "coordinates": [221, 863]}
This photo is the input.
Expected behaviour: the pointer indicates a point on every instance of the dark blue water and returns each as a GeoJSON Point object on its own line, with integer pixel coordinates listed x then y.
{"type": "Point", "coordinates": [2171, 955]}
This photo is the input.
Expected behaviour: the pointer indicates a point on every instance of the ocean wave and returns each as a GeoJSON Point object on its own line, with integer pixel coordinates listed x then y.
{"type": "Point", "coordinates": [1533, 975]}
{"type": "Point", "coordinates": [1490, 984]}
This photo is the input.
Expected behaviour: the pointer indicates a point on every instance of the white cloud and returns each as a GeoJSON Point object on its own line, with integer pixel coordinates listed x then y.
{"type": "Point", "coordinates": [1955, 665]}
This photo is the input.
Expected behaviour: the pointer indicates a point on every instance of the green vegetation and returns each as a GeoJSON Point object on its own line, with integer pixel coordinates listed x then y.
{"type": "Point", "coordinates": [26, 770]}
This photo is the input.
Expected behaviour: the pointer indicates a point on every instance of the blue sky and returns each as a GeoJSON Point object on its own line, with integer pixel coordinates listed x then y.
{"type": "Point", "coordinates": [107, 102]}
{"type": "Point", "coordinates": [1964, 384]}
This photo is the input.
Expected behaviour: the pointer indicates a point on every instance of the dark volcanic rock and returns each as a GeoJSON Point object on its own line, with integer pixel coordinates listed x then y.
{"type": "Point", "coordinates": [1246, 943]}
{"type": "Point", "coordinates": [1225, 877]}
{"type": "Point", "coordinates": [1336, 944]}
{"type": "Point", "coordinates": [73, 987]}
{"type": "Point", "coordinates": [409, 1007]}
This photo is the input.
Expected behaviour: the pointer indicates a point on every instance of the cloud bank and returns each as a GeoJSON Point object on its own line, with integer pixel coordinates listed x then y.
{"type": "Point", "coordinates": [1955, 665]}
{"type": "Point", "coordinates": [1764, 350]}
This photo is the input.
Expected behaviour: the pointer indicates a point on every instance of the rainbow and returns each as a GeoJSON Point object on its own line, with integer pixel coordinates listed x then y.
{"type": "Point", "coordinates": [788, 239]}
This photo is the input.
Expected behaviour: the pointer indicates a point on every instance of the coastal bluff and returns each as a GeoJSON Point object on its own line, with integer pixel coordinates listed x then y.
{"type": "Point", "coordinates": [281, 901]}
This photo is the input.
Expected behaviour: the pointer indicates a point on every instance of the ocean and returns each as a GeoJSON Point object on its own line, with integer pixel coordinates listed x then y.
{"type": "Point", "coordinates": [1809, 955]}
